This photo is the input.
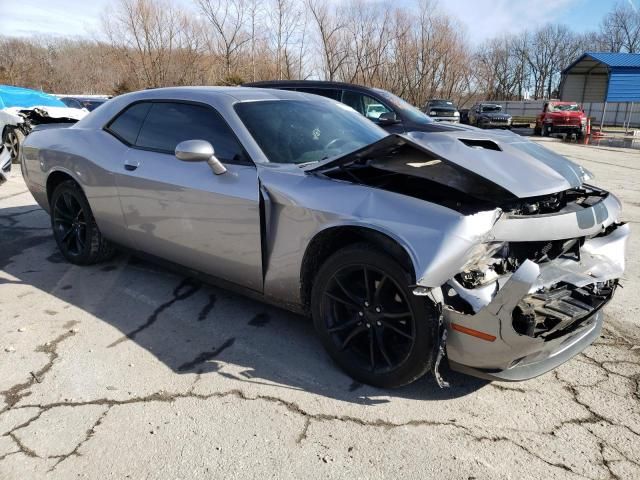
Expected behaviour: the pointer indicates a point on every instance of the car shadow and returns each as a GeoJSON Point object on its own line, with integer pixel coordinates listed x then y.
{"type": "Point", "coordinates": [189, 326]}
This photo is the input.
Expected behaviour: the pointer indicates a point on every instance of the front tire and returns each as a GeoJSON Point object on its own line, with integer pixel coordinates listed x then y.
{"type": "Point", "coordinates": [74, 227]}
{"type": "Point", "coordinates": [12, 139]}
{"type": "Point", "coordinates": [368, 319]}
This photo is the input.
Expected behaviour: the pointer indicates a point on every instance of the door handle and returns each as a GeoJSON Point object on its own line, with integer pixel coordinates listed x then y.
{"type": "Point", "coordinates": [131, 165]}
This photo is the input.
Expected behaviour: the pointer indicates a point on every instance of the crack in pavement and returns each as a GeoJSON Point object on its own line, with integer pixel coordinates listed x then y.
{"type": "Point", "coordinates": [16, 393]}
{"type": "Point", "coordinates": [527, 450]}
{"type": "Point", "coordinates": [88, 435]}
{"type": "Point", "coordinates": [605, 462]}
{"type": "Point", "coordinates": [190, 288]}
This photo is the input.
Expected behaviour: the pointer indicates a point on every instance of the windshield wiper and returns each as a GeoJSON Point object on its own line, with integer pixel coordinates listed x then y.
{"type": "Point", "coordinates": [306, 164]}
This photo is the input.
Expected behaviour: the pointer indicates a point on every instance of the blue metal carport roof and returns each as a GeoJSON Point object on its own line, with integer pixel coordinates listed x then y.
{"type": "Point", "coordinates": [624, 73]}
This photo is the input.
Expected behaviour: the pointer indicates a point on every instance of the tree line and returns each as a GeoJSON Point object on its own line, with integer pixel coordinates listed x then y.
{"type": "Point", "coordinates": [418, 52]}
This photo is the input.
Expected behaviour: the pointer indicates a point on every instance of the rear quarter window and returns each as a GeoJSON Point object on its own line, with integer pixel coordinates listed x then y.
{"type": "Point", "coordinates": [126, 126]}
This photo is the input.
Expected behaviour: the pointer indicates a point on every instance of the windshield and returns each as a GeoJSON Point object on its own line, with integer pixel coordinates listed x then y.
{"type": "Point", "coordinates": [564, 107]}
{"type": "Point", "coordinates": [298, 131]}
{"type": "Point", "coordinates": [491, 108]}
{"type": "Point", "coordinates": [441, 103]}
{"type": "Point", "coordinates": [405, 109]}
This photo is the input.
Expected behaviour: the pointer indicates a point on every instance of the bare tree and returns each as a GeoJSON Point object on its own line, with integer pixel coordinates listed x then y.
{"type": "Point", "coordinates": [284, 22]}
{"type": "Point", "coordinates": [620, 29]}
{"type": "Point", "coordinates": [331, 30]}
{"type": "Point", "coordinates": [228, 19]}
{"type": "Point", "coordinates": [155, 42]}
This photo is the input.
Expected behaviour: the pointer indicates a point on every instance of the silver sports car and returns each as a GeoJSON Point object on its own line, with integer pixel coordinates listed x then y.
{"type": "Point", "coordinates": [485, 249]}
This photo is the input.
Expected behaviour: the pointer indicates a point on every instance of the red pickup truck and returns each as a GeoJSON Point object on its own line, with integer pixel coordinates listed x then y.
{"type": "Point", "coordinates": [561, 117]}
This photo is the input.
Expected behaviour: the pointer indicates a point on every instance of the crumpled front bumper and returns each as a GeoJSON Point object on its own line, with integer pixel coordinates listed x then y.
{"type": "Point", "coordinates": [503, 353]}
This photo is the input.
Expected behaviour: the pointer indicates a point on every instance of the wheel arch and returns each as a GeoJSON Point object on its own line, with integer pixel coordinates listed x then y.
{"type": "Point", "coordinates": [55, 178]}
{"type": "Point", "coordinates": [329, 240]}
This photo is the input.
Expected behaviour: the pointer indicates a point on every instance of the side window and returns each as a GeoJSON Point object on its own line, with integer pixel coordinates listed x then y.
{"type": "Point", "coordinates": [364, 104]}
{"type": "Point", "coordinates": [373, 108]}
{"type": "Point", "coordinates": [323, 92]}
{"type": "Point", "coordinates": [126, 125]}
{"type": "Point", "coordinates": [168, 124]}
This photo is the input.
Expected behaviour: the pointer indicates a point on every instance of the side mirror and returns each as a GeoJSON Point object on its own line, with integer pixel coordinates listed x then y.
{"type": "Point", "coordinates": [199, 151]}
{"type": "Point", "coordinates": [388, 118]}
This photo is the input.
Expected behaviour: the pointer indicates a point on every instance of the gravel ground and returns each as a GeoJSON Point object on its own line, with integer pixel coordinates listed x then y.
{"type": "Point", "coordinates": [126, 370]}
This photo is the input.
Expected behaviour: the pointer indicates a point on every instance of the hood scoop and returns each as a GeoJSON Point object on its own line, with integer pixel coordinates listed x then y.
{"type": "Point", "coordinates": [486, 144]}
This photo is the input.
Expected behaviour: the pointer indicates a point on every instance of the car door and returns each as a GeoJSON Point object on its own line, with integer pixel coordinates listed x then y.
{"type": "Point", "coordinates": [182, 211]}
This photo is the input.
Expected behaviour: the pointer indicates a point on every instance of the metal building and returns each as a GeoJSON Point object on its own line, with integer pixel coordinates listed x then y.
{"type": "Point", "coordinates": [602, 77]}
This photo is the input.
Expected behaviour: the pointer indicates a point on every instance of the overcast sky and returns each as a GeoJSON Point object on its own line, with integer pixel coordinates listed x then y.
{"type": "Point", "coordinates": [483, 18]}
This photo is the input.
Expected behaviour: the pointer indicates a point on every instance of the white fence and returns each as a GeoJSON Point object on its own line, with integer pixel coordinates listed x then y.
{"type": "Point", "coordinates": [617, 114]}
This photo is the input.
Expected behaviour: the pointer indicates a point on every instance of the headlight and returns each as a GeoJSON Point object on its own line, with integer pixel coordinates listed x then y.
{"type": "Point", "coordinates": [456, 114]}
{"type": "Point", "coordinates": [433, 113]}
{"type": "Point", "coordinates": [583, 121]}
{"type": "Point", "coordinates": [481, 255]}
{"type": "Point", "coordinates": [548, 120]}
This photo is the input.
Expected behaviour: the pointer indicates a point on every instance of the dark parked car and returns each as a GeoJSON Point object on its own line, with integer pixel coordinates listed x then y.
{"type": "Point", "coordinates": [489, 115]}
{"type": "Point", "coordinates": [381, 107]}
{"type": "Point", "coordinates": [90, 103]}
{"type": "Point", "coordinates": [442, 111]}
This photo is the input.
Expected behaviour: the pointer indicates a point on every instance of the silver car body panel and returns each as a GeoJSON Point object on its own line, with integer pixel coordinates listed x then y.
{"type": "Point", "coordinates": [182, 212]}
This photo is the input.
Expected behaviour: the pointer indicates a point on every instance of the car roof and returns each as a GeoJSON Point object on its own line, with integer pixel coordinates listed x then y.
{"type": "Point", "coordinates": [306, 83]}
{"type": "Point", "coordinates": [215, 96]}
{"type": "Point", "coordinates": [238, 93]}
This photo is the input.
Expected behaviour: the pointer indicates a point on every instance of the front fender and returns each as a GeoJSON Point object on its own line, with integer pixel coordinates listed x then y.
{"type": "Point", "coordinates": [438, 240]}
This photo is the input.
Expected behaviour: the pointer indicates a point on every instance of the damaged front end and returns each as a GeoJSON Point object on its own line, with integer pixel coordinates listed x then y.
{"type": "Point", "coordinates": [534, 299]}
{"type": "Point", "coordinates": [531, 256]}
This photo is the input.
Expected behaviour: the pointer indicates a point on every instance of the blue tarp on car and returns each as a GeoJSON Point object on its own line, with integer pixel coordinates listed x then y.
{"type": "Point", "coordinates": [25, 97]}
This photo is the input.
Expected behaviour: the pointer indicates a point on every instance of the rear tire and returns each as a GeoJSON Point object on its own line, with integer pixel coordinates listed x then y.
{"type": "Point", "coordinates": [74, 227]}
{"type": "Point", "coordinates": [382, 335]}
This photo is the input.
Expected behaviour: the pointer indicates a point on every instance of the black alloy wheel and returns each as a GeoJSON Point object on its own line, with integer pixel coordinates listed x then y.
{"type": "Point", "coordinates": [369, 320]}
{"type": "Point", "coordinates": [368, 316]}
{"type": "Point", "coordinates": [69, 224]}
{"type": "Point", "coordinates": [74, 228]}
